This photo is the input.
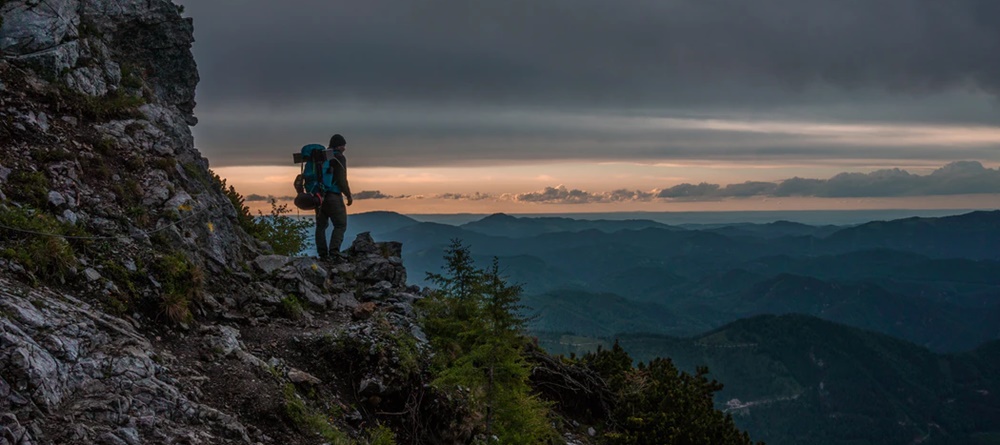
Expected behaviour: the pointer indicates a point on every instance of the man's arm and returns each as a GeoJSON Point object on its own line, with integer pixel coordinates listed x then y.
{"type": "Point", "coordinates": [340, 177]}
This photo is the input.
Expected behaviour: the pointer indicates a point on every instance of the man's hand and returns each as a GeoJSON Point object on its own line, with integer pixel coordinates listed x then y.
{"type": "Point", "coordinates": [350, 200]}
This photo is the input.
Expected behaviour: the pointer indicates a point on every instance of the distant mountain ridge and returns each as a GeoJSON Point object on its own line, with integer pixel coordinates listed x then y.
{"type": "Point", "coordinates": [919, 283]}
{"type": "Point", "coordinates": [515, 227]}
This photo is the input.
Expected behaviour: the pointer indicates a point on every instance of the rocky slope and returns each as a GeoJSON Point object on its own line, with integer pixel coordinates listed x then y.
{"type": "Point", "coordinates": [134, 308]}
{"type": "Point", "coordinates": [112, 225]}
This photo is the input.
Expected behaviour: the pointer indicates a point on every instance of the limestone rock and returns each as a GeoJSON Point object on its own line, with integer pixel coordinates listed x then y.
{"type": "Point", "coordinates": [59, 353]}
{"type": "Point", "coordinates": [56, 199]}
{"type": "Point", "coordinates": [37, 28]}
{"type": "Point", "coordinates": [270, 263]}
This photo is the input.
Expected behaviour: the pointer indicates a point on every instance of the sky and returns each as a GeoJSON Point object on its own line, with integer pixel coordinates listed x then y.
{"type": "Point", "coordinates": [528, 106]}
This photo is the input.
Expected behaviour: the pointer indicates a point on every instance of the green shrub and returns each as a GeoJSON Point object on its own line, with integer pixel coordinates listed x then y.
{"type": "Point", "coordinates": [181, 284]}
{"type": "Point", "coordinates": [381, 435]}
{"type": "Point", "coordinates": [54, 154]}
{"type": "Point", "coordinates": [106, 146]}
{"type": "Point", "coordinates": [131, 77]}
{"type": "Point", "coordinates": [28, 187]}
{"type": "Point", "coordinates": [113, 105]}
{"type": "Point", "coordinates": [308, 421]}
{"type": "Point", "coordinates": [291, 307]}
{"type": "Point", "coordinates": [47, 254]}
{"type": "Point", "coordinates": [285, 235]}
{"type": "Point", "coordinates": [125, 280]}
{"type": "Point", "coordinates": [656, 403]}
{"type": "Point", "coordinates": [243, 216]}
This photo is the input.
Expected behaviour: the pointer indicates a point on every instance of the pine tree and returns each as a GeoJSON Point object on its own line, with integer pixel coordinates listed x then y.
{"type": "Point", "coordinates": [475, 317]}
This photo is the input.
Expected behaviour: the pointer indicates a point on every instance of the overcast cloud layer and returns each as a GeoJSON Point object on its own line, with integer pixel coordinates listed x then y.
{"type": "Point", "coordinates": [444, 81]}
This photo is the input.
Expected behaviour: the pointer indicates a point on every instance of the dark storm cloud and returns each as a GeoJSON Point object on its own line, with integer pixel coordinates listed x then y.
{"type": "Point", "coordinates": [390, 62]}
{"type": "Point", "coordinates": [476, 196]}
{"type": "Point", "coordinates": [589, 51]}
{"type": "Point", "coordinates": [373, 194]}
{"type": "Point", "coordinates": [562, 195]}
{"type": "Point", "coordinates": [253, 197]}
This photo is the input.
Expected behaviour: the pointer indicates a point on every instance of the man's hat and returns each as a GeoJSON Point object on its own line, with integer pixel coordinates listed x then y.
{"type": "Point", "coordinates": [337, 140]}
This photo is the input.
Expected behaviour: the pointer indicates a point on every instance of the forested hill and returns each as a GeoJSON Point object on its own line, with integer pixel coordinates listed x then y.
{"type": "Point", "coordinates": [796, 379]}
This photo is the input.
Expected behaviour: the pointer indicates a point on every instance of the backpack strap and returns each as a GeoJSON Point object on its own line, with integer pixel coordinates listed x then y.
{"type": "Point", "coordinates": [318, 170]}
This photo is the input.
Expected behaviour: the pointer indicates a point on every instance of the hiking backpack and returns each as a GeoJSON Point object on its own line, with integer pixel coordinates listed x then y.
{"type": "Point", "coordinates": [316, 177]}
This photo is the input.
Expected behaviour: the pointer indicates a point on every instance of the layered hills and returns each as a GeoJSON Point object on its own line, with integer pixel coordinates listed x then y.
{"type": "Point", "coordinates": [880, 332]}
{"type": "Point", "coordinates": [923, 281]}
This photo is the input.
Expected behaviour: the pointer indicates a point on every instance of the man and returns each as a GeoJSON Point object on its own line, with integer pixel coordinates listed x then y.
{"type": "Point", "coordinates": [333, 207]}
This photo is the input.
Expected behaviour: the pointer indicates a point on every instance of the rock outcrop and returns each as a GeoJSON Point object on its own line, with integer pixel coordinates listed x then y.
{"type": "Point", "coordinates": [111, 221]}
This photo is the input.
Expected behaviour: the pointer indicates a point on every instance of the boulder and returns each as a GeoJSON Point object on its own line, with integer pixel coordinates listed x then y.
{"type": "Point", "coordinates": [270, 263]}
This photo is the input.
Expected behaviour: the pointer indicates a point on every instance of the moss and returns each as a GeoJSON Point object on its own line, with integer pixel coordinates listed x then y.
{"type": "Point", "coordinates": [28, 187]}
{"type": "Point", "coordinates": [132, 77]}
{"type": "Point", "coordinates": [113, 105]}
{"type": "Point", "coordinates": [167, 164]}
{"type": "Point", "coordinates": [194, 171]}
{"type": "Point", "coordinates": [125, 280]}
{"type": "Point", "coordinates": [106, 146]}
{"type": "Point", "coordinates": [139, 216]}
{"type": "Point", "coordinates": [54, 154]}
{"type": "Point", "coordinates": [309, 421]}
{"type": "Point", "coordinates": [97, 168]}
{"type": "Point", "coordinates": [405, 348]}
{"type": "Point", "coordinates": [381, 435]}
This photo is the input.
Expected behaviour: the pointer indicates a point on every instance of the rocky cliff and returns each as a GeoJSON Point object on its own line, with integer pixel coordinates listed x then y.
{"type": "Point", "coordinates": [134, 307]}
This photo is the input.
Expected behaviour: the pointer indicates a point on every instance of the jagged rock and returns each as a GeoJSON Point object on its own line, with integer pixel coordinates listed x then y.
{"type": "Point", "coordinates": [56, 199]}
{"type": "Point", "coordinates": [31, 29]}
{"type": "Point", "coordinates": [346, 300]}
{"type": "Point", "coordinates": [379, 291]}
{"type": "Point", "coordinates": [364, 311]}
{"type": "Point", "coordinates": [91, 274]}
{"type": "Point", "coordinates": [223, 340]}
{"type": "Point", "coordinates": [40, 120]}
{"type": "Point", "coordinates": [70, 217]}
{"type": "Point", "coordinates": [270, 263]}
{"type": "Point", "coordinates": [302, 377]}
{"type": "Point", "coordinates": [61, 354]}
{"type": "Point", "coordinates": [363, 244]}
{"type": "Point", "coordinates": [314, 296]}
{"type": "Point", "coordinates": [11, 431]}
{"type": "Point", "coordinates": [179, 201]}
{"type": "Point", "coordinates": [418, 334]}
{"type": "Point", "coordinates": [371, 386]}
